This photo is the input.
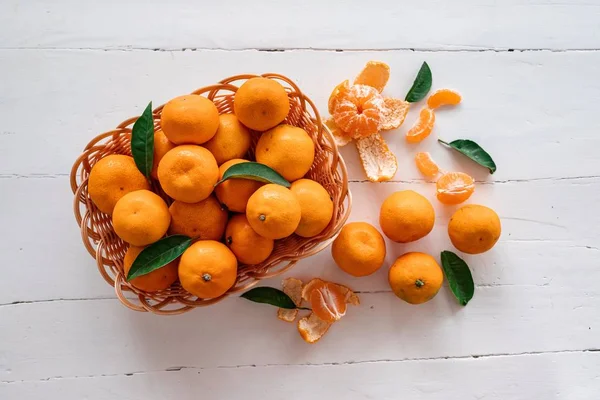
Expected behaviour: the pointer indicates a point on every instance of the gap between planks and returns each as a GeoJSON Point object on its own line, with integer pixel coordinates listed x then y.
{"type": "Point", "coordinates": [310, 365]}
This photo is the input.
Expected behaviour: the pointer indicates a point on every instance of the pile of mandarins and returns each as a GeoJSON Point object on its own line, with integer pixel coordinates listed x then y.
{"type": "Point", "coordinates": [234, 222]}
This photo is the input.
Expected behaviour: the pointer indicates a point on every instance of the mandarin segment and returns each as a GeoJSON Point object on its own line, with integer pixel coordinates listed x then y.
{"type": "Point", "coordinates": [443, 97]}
{"type": "Point", "coordinates": [378, 161]}
{"type": "Point", "coordinates": [375, 74]}
{"type": "Point", "coordinates": [360, 111]}
{"type": "Point", "coordinates": [328, 302]}
{"type": "Point", "coordinates": [454, 188]}
{"type": "Point", "coordinates": [422, 128]}
{"type": "Point", "coordinates": [394, 113]}
{"type": "Point", "coordinates": [338, 92]}
{"type": "Point", "coordinates": [310, 286]}
{"type": "Point", "coordinates": [426, 165]}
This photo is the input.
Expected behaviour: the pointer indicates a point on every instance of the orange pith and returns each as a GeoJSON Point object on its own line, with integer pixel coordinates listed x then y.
{"type": "Point", "coordinates": [426, 165]}
{"type": "Point", "coordinates": [454, 187]}
{"type": "Point", "coordinates": [443, 97]}
{"type": "Point", "coordinates": [338, 92]}
{"type": "Point", "coordinates": [328, 302]}
{"type": "Point", "coordinates": [359, 111]}
{"type": "Point", "coordinates": [422, 128]}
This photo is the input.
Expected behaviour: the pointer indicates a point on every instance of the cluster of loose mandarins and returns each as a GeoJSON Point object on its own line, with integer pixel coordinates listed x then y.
{"type": "Point", "coordinates": [232, 222]}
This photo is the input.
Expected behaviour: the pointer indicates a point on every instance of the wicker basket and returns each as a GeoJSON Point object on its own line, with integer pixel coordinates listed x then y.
{"type": "Point", "coordinates": [108, 249]}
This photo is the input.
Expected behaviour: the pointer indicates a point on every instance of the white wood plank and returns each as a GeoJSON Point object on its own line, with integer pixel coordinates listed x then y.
{"type": "Point", "coordinates": [544, 234]}
{"type": "Point", "coordinates": [563, 376]}
{"type": "Point", "coordinates": [382, 24]}
{"type": "Point", "coordinates": [81, 338]}
{"type": "Point", "coordinates": [529, 110]}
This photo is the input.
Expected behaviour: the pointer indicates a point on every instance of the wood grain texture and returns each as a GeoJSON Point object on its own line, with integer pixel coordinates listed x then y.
{"type": "Point", "coordinates": [271, 24]}
{"type": "Point", "coordinates": [564, 376]}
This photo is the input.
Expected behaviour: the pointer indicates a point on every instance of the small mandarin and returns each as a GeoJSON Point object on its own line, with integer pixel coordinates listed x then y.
{"type": "Point", "coordinates": [204, 220]}
{"type": "Point", "coordinates": [406, 216]}
{"type": "Point", "coordinates": [207, 269]}
{"type": "Point", "coordinates": [474, 229]}
{"type": "Point", "coordinates": [161, 146]}
{"type": "Point", "coordinates": [261, 103]}
{"type": "Point", "coordinates": [113, 177]}
{"type": "Point", "coordinates": [141, 218]}
{"type": "Point", "coordinates": [273, 212]}
{"type": "Point", "coordinates": [415, 277]}
{"type": "Point", "coordinates": [232, 139]}
{"type": "Point", "coordinates": [188, 173]}
{"type": "Point", "coordinates": [159, 279]}
{"type": "Point", "coordinates": [359, 111]}
{"type": "Point", "coordinates": [359, 249]}
{"type": "Point", "coordinates": [234, 193]}
{"type": "Point", "coordinates": [287, 149]}
{"type": "Point", "coordinates": [248, 246]}
{"type": "Point", "coordinates": [189, 119]}
{"type": "Point", "coordinates": [316, 207]}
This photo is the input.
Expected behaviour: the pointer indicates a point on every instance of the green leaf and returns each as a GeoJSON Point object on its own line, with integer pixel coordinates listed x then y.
{"type": "Point", "coordinates": [474, 151]}
{"type": "Point", "coordinates": [421, 85]}
{"type": "Point", "coordinates": [158, 255]}
{"type": "Point", "coordinates": [255, 171]}
{"type": "Point", "coordinates": [269, 295]}
{"type": "Point", "coordinates": [459, 277]}
{"type": "Point", "coordinates": [142, 141]}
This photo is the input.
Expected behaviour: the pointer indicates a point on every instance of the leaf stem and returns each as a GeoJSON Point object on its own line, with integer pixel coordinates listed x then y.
{"type": "Point", "coordinates": [304, 308]}
{"type": "Point", "coordinates": [442, 142]}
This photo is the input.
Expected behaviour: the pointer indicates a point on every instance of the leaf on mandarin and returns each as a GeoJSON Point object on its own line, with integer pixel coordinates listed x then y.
{"type": "Point", "coordinates": [142, 141]}
{"type": "Point", "coordinates": [158, 255]}
{"type": "Point", "coordinates": [254, 171]}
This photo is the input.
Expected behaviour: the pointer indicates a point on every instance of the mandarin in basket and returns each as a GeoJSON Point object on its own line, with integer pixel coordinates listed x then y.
{"type": "Point", "coordinates": [261, 103]}
{"type": "Point", "coordinates": [232, 139]}
{"type": "Point", "coordinates": [204, 220]}
{"type": "Point", "coordinates": [189, 119]}
{"type": "Point", "coordinates": [273, 211]}
{"type": "Point", "coordinates": [159, 279]}
{"type": "Point", "coordinates": [287, 149]}
{"type": "Point", "coordinates": [359, 111]}
{"type": "Point", "coordinates": [141, 218]}
{"type": "Point", "coordinates": [234, 193]}
{"type": "Point", "coordinates": [415, 277]}
{"type": "Point", "coordinates": [406, 216]}
{"type": "Point", "coordinates": [113, 177]}
{"type": "Point", "coordinates": [247, 245]}
{"type": "Point", "coordinates": [359, 249]}
{"type": "Point", "coordinates": [188, 173]}
{"type": "Point", "coordinates": [207, 269]}
{"type": "Point", "coordinates": [316, 207]}
{"type": "Point", "coordinates": [161, 146]}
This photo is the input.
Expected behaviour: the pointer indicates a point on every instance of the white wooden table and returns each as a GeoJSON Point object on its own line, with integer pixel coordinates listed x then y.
{"type": "Point", "coordinates": [528, 71]}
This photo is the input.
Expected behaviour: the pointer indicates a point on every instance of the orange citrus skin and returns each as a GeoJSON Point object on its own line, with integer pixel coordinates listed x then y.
{"type": "Point", "coordinates": [454, 188]}
{"type": "Point", "coordinates": [422, 127]}
{"type": "Point", "coordinates": [474, 229]}
{"type": "Point", "coordinates": [113, 177]}
{"type": "Point", "coordinates": [316, 207]}
{"type": "Point", "coordinates": [208, 269]}
{"type": "Point", "coordinates": [338, 93]}
{"type": "Point", "coordinates": [415, 277]}
{"type": "Point", "coordinates": [328, 302]}
{"type": "Point", "coordinates": [232, 139]}
{"type": "Point", "coordinates": [406, 216]}
{"type": "Point", "coordinates": [359, 249]}
{"type": "Point", "coordinates": [375, 74]}
{"type": "Point", "coordinates": [204, 220]}
{"type": "Point", "coordinates": [234, 193]}
{"type": "Point", "coordinates": [161, 146]}
{"type": "Point", "coordinates": [159, 279]}
{"type": "Point", "coordinates": [287, 149]}
{"type": "Point", "coordinates": [248, 246]}
{"type": "Point", "coordinates": [141, 218]}
{"type": "Point", "coordinates": [188, 173]}
{"type": "Point", "coordinates": [273, 212]}
{"type": "Point", "coordinates": [443, 97]}
{"type": "Point", "coordinates": [261, 103]}
{"type": "Point", "coordinates": [189, 119]}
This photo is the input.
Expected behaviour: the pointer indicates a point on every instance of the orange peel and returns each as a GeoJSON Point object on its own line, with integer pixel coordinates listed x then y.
{"type": "Point", "coordinates": [293, 288]}
{"type": "Point", "coordinates": [312, 328]}
{"type": "Point", "coordinates": [443, 97]}
{"type": "Point", "coordinates": [338, 92]}
{"type": "Point", "coordinates": [341, 138]}
{"type": "Point", "coordinates": [394, 113]}
{"type": "Point", "coordinates": [349, 296]}
{"type": "Point", "coordinates": [375, 74]}
{"type": "Point", "coordinates": [454, 188]}
{"type": "Point", "coordinates": [378, 161]}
